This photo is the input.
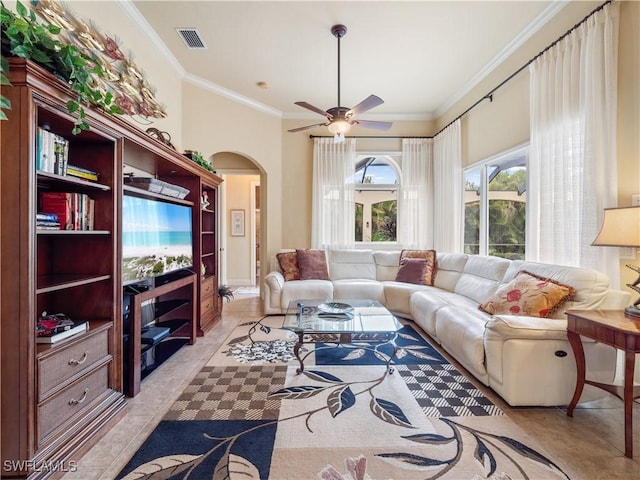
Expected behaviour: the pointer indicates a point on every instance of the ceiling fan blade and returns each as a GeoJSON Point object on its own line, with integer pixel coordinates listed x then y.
{"type": "Point", "coordinates": [308, 106]}
{"type": "Point", "coordinates": [367, 104]}
{"type": "Point", "coordinates": [374, 125]}
{"type": "Point", "coordinates": [299, 129]}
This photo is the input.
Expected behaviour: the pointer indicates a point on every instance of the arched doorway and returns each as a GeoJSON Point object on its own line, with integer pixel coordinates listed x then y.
{"type": "Point", "coordinates": [242, 220]}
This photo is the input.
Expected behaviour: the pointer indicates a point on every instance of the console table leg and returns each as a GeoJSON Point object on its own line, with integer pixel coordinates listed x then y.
{"type": "Point", "coordinates": [578, 353]}
{"type": "Point", "coordinates": [629, 363]}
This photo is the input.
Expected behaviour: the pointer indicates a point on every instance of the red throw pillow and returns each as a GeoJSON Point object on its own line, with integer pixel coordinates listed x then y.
{"type": "Point", "coordinates": [411, 270]}
{"type": "Point", "coordinates": [429, 256]}
{"type": "Point", "coordinates": [289, 264]}
{"type": "Point", "coordinates": [312, 264]}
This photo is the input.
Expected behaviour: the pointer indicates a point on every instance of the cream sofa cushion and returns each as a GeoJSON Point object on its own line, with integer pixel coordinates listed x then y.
{"type": "Point", "coordinates": [387, 264]}
{"type": "Point", "coordinates": [481, 277]}
{"type": "Point", "coordinates": [358, 264]}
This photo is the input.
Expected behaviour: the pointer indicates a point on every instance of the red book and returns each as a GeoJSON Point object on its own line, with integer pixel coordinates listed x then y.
{"type": "Point", "coordinates": [61, 204]}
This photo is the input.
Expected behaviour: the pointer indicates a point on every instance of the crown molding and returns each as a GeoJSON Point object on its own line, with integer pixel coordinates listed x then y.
{"type": "Point", "coordinates": [541, 20]}
{"type": "Point", "coordinates": [138, 18]}
{"type": "Point", "coordinates": [225, 92]}
{"type": "Point", "coordinates": [134, 14]}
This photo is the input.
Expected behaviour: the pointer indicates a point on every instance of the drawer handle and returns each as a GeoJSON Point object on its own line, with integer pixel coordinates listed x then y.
{"type": "Point", "coordinates": [83, 359]}
{"type": "Point", "coordinates": [73, 401]}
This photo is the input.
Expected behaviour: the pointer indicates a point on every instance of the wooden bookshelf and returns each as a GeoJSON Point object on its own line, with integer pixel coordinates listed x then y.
{"type": "Point", "coordinates": [58, 399]}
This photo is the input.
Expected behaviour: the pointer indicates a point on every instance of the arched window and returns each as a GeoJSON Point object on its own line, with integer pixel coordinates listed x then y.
{"type": "Point", "coordinates": [376, 180]}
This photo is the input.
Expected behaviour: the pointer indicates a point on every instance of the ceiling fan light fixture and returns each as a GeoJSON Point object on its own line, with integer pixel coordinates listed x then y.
{"type": "Point", "coordinates": [339, 127]}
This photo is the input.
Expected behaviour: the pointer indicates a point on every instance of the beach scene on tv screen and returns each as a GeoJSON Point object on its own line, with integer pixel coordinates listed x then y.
{"type": "Point", "coordinates": [156, 238]}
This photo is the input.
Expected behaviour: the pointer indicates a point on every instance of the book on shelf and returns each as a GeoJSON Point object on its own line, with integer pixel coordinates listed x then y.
{"type": "Point", "coordinates": [79, 172]}
{"type": "Point", "coordinates": [75, 211]}
{"type": "Point", "coordinates": [80, 327]}
{"type": "Point", "coordinates": [52, 152]}
{"type": "Point", "coordinates": [46, 217]}
{"type": "Point", "coordinates": [46, 225]}
{"type": "Point", "coordinates": [56, 327]}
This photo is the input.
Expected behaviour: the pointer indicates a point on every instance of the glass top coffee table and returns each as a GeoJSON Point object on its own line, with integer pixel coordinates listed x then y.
{"type": "Point", "coordinates": [340, 321]}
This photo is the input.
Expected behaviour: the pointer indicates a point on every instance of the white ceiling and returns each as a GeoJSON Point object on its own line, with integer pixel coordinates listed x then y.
{"type": "Point", "coordinates": [419, 56]}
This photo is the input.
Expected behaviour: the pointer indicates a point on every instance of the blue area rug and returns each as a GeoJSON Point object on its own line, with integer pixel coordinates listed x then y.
{"type": "Point", "coordinates": [248, 415]}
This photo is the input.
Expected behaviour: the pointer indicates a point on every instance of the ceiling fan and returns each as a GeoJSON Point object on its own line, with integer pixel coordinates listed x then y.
{"type": "Point", "coordinates": [341, 118]}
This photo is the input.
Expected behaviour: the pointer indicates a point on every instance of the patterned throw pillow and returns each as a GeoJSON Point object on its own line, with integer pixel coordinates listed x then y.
{"type": "Point", "coordinates": [312, 264]}
{"type": "Point", "coordinates": [429, 256]}
{"type": "Point", "coordinates": [411, 270]}
{"type": "Point", "coordinates": [529, 295]}
{"type": "Point", "coordinates": [289, 264]}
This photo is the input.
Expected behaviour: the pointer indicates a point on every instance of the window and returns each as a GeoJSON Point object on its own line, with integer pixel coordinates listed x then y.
{"type": "Point", "coordinates": [495, 205]}
{"type": "Point", "coordinates": [376, 198]}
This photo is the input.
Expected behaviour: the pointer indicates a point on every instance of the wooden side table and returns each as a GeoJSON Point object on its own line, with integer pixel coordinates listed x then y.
{"type": "Point", "coordinates": [614, 328]}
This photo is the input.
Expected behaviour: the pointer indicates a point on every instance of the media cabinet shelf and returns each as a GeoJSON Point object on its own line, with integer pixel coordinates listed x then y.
{"type": "Point", "coordinates": [176, 297]}
{"type": "Point", "coordinates": [79, 273]}
{"type": "Point", "coordinates": [42, 231]}
{"type": "Point", "coordinates": [55, 179]}
{"type": "Point", "coordinates": [140, 192]}
{"type": "Point", "coordinates": [52, 283]}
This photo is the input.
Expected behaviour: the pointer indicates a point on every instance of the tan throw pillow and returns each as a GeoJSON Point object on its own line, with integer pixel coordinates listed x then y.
{"type": "Point", "coordinates": [528, 295]}
{"type": "Point", "coordinates": [411, 270]}
{"type": "Point", "coordinates": [429, 256]}
{"type": "Point", "coordinates": [289, 264]}
{"type": "Point", "coordinates": [312, 264]}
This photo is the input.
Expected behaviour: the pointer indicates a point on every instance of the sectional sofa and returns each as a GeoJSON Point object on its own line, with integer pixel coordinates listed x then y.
{"type": "Point", "coordinates": [526, 359]}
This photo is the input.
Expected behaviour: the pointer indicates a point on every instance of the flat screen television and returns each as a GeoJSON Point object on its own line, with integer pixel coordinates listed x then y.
{"type": "Point", "coordinates": [156, 239]}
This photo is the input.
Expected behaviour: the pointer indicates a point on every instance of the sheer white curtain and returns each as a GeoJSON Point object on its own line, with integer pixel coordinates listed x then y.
{"type": "Point", "coordinates": [333, 207]}
{"type": "Point", "coordinates": [572, 163]}
{"type": "Point", "coordinates": [447, 188]}
{"type": "Point", "coordinates": [415, 207]}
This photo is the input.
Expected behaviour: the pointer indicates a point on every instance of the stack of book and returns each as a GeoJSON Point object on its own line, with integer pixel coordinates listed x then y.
{"type": "Point", "coordinates": [74, 211]}
{"type": "Point", "coordinates": [47, 221]}
{"type": "Point", "coordinates": [80, 172]}
{"type": "Point", "coordinates": [56, 327]}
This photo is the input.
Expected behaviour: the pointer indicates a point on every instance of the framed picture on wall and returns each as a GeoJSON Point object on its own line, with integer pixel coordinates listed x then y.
{"type": "Point", "coordinates": [237, 223]}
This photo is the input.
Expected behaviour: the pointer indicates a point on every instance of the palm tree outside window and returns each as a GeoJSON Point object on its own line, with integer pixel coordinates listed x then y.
{"type": "Point", "coordinates": [495, 200]}
{"type": "Point", "coordinates": [376, 182]}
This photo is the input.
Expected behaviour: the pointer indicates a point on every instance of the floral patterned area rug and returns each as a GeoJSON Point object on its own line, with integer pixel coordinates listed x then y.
{"type": "Point", "coordinates": [248, 414]}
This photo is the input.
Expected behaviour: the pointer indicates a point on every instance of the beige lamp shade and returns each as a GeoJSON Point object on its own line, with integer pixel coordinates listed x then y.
{"type": "Point", "coordinates": [620, 228]}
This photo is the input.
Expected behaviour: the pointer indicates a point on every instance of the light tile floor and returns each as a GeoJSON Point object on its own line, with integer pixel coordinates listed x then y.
{"type": "Point", "coordinates": [588, 446]}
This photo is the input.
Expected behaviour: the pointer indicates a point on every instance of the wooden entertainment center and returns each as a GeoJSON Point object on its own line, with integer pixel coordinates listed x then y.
{"type": "Point", "coordinates": [59, 398]}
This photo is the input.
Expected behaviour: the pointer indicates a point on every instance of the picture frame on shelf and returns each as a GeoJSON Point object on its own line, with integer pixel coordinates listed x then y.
{"type": "Point", "coordinates": [237, 223]}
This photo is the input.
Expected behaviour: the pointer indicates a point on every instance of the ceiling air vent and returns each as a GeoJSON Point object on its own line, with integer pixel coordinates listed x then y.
{"type": "Point", "coordinates": [191, 37]}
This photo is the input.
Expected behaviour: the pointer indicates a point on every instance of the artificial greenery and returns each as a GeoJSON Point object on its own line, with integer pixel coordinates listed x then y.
{"type": "Point", "coordinates": [23, 36]}
{"type": "Point", "coordinates": [225, 292]}
{"type": "Point", "coordinates": [199, 159]}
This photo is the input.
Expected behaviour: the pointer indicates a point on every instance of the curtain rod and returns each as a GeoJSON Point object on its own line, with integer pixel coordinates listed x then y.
{"type": "Point", "coordinates": [539, 54]}
{"type": "Point", "coordinates": [368, 136]}
{"type": "Point", "coordinates": [489, 95]}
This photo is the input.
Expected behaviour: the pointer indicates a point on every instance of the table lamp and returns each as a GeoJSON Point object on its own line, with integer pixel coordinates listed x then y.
{"type": "Point", "coordinates": [621, 228]}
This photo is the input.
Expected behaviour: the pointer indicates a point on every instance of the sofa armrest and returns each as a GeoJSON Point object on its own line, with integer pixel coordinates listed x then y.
{"type": "Point", "coordinates": [273, 282]}
{"type": "Point", "coordinates": [615, 300]}
{"type": "Point", "coordinates": [506, 327]}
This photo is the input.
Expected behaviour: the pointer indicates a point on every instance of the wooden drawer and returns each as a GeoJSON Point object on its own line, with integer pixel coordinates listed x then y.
{"type": "Point", "coordinates": [61, 365]}
{"type": "Point", "coordinates": [207, 287]}
{"type": "Point", "coordinates": [207, 305]}
{"type": "Point", "coordinates": [62, 406]}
